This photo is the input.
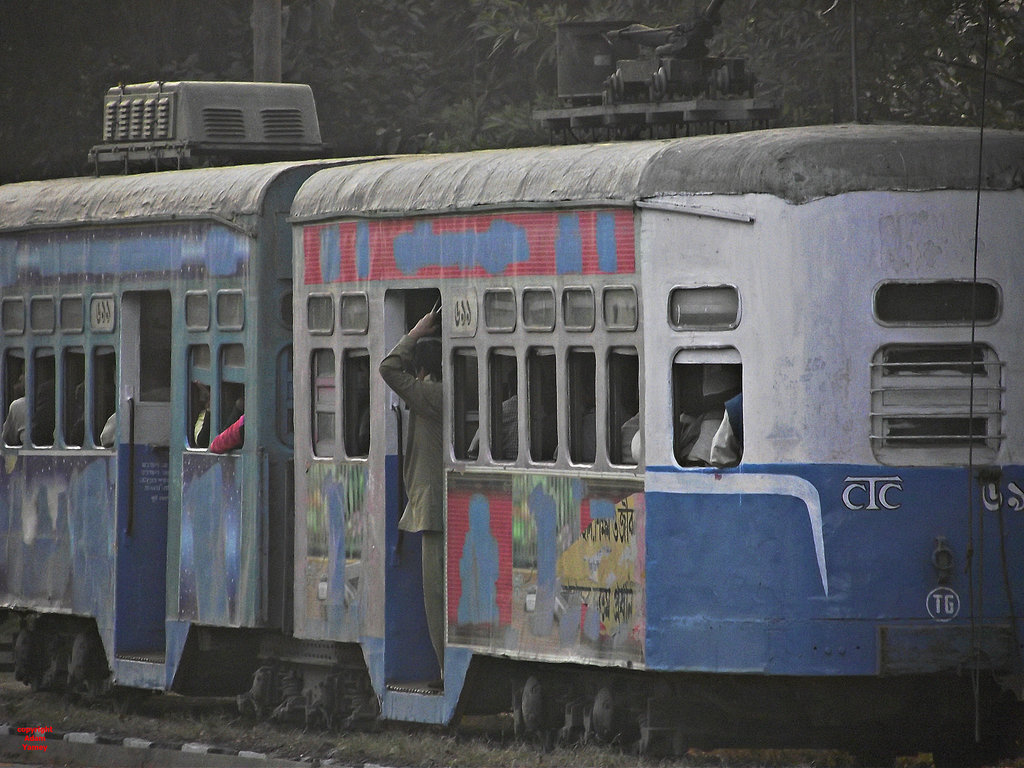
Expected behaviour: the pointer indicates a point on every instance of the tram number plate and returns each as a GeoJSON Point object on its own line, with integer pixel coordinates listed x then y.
{"type": "Point", "coordinates": [101, 313]}
{"type": "Point", "coordinates": [461, 313]}
{"type": "Point", "coordinates": [943, 604]}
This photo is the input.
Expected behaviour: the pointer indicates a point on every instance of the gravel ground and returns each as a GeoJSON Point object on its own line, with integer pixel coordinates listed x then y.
{"type": "Point", "coordinates": [173, 721]}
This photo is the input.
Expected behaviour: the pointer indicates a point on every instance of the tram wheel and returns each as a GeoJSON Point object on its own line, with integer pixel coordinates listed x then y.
{"type": "Point", "coordinates": [603, 716]}
{"type": "Point", "coordinates": [532, 706]}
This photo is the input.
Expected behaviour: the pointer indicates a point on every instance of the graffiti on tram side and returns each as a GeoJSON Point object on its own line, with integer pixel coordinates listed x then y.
{"type": "Point", "coordinates": [175, 251]}
{"type": "Point", "coordinates": [57, 531]}
{"type": "Point", "coordinates": [336, 527]}
{"type": "Point", "coordinates": [546, 565]}
{"type": "Point", "coordinates": [585, 242]}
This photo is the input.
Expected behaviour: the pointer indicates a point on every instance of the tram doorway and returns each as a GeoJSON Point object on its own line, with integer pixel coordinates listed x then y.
{"type": "Point", "coordinates": [144, 404]}
{"type": "Point", "coordinates": [409, 657]}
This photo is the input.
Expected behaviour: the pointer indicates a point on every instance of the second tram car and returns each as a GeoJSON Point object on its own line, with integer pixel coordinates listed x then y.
{"type": "Point", "coordinates": [740, 410]}
{"type": "Point", "coordinates": [732, 436]}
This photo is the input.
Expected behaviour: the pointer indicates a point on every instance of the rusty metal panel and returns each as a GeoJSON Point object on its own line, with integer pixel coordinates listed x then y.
{"type": "Point", "coordinates": [923, 649]}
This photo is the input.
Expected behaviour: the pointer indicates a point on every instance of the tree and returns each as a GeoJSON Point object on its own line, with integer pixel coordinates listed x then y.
{"type": "Point", "coordinates": [439, 75]}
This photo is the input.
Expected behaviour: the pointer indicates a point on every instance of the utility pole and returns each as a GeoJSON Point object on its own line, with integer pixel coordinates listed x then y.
{"type": "Point", "coordinates": [266, 41]}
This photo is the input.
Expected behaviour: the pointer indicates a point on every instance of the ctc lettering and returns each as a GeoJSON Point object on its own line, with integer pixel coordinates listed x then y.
{"type": "Point", "coordinates": [871, 492]}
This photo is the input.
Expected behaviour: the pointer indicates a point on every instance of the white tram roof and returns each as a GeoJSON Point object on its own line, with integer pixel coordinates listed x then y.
{"type": "Point", "coordinates": [796, 164]}
{"type": "Point", "coordinates": [233, 195]}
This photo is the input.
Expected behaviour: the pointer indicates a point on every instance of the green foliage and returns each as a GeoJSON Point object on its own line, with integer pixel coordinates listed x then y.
{"type": "Point", "coordinates": [441, 75]}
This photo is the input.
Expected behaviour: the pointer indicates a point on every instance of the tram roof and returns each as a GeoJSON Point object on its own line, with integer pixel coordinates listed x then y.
{"type": "Point", "coordinates": [796, 164]}
{"type": "Point", "coordinates": [232, 195]}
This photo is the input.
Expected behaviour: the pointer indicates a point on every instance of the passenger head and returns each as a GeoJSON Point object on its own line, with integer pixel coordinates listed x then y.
{"type": "Point", "coordinates": [426, 356]}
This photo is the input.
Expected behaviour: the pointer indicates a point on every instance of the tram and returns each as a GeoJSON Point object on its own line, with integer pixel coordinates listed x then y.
{"type": "Point", "coordinates": [732, 439]}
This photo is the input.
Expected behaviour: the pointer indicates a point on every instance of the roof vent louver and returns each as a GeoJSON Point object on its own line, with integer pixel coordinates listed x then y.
{"type": "Point", "coordinates": [179, 124]}
{"type": "Point", "coordinates": [282, 124]}
{"type": "Point", "coordinates": [224, 123]}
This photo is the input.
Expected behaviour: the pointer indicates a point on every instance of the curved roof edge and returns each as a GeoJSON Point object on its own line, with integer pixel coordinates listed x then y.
{"type": "Point", "coordinates": [795, 164]}
{"type": "Point", "coordinates": [231, 195]}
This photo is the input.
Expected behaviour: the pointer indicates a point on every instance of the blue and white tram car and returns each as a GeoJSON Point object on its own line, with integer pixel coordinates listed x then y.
{"type": "Point", "coordinates": [733, 440]}
{"type": "Point", "coordinates": [138, 314]}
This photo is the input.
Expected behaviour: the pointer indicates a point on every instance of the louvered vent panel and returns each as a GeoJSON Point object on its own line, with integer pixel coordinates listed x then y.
{"type": "Point", "coordinates": [123, 110]}
{"type": "Point", "coordinates": [109, 120]}
{"type": "Point", "coordinates": [148, 118]}
{"type": "Point", "coordinates": [162, 129]}
{"type": "Point", "coordinates": [223, 123]}
{"type": "Point", "coordinates": [282, 125]}
{"type": "Point", "coordinates": [135, 119]}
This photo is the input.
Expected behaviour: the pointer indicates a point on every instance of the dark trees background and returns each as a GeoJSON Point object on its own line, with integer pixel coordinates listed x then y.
{"type": "Point", "coordinates": [436, 75]}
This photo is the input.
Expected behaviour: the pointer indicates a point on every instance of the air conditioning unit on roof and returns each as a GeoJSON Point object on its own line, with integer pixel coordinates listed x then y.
{"type": "Point", "coordinates": [189, 123]}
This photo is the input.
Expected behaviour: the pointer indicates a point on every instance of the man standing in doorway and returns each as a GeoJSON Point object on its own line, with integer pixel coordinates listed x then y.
{"type": "Point", "coordinates": [413, 370]}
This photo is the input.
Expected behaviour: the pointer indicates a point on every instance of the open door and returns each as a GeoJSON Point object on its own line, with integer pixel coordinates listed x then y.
{"type": "Point", "coordinates": [144, 405]}
{"type": "Point", "coordinates": [409, 660]}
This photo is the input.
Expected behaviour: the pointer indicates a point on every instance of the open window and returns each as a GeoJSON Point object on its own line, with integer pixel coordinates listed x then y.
{"type": "Point", "coordinates": [42, 411]}
{"type": "Point", "coordinates": [232, 384]}
{"type": "Point", "coordinates": [356, 389]}
{"type": "Point", "coordinates": [582, 404]}
{"type": "Point", "coordinates": [504, 416]}
{"type": "Point", "coordinates": [14, 389]}
{"type": "Point", "coordinates": [623, 405]}
{"type": "Point", "coordinates": [543, 401]}
{"type": "Point", "coordinates": [466, 405]}
{"type": "Point", "coordinates": [707, 408]}
{"type": "Point", "coordinates": [73, 395]}
{"type": "Point", "coordinates": [104, 396]}
{"type": "Point", "coordinates": [200, 376]}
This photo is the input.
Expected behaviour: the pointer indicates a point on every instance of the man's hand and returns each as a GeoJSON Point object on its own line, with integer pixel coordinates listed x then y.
{"type": "Point", "coordinates": [426, 326]}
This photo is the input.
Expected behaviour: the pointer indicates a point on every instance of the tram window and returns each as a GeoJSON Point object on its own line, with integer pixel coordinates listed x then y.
{"type": "Point", "coordinates": [941, 302]}
{"type": "Point", "coordinates": [74, 397]}
{"type": "Point", "coordinates": [232, 384]}
{"type": "Point", "coordinates": [72, 318]}
{"type": "Point", "coordinates": [200, 375]}
{"type": "Point", "coordinates": [42, 314]}
{"type": "Point", "coordinates": [620, 309]}
{"type": "Point", "coordinates": [578, 309]}
{"type": "Point", "coordinates": [356, 395]}
{"type": "Point", "coordinates": [42, 411]}
{"type": "Point", "coordinates": [707, 409]}
{"type": "Point", "coordinates": [582, 399]}
{"type": "Point", "coordinates": [500, 309]}
{"type": "Point", "coordinates": [197, 310]}
{"type": "Point", "coordinates": [155, 347]}
{"type": "Point", "coordinates": [355, 313]}
{"type": "Point", "coordinates": [323, 399]}
{"type": "Point", "coordinates": [539, 309]}
{"type": "Point", "coordinates": [104, 393]}
{"type": "Point", "coordinates": [623, 405]}
{"type": "Point", "coordinates": [320, 313]}
{"type": "Point", "coordinates": [543, 401]}
{"type": "Point", "coordinates": [230, 310]}
{"type": "Point", "coordinates": [504, 421]}
{"type": "Point", "coordinates": [921, 401]}
{"type": "Point", "coordinates": [704, 308]}
{"type": "Point", "coordinates": [14, 389]}
{"type": "Point", "coordinates": [466, 413]}
{"type": "Point", "coordinates": [13, 316]}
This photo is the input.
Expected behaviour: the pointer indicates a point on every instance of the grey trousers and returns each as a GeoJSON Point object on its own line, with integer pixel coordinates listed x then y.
{"type": "Point", "coordinates": [432, 550]}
